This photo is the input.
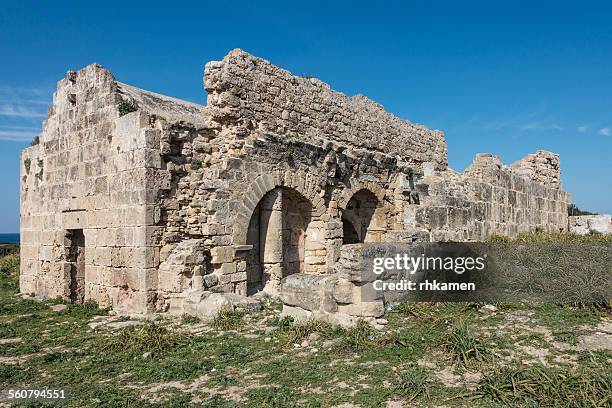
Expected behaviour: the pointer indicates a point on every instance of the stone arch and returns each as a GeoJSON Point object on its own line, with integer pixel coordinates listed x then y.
{"type": "Point", "coordinates": [355, 187]}
{"type": "Point", "coordinates": [302, 182]}
{"type": "Point", "coordinates": [363, 213]}
{"type": "Point", "coordinates": [282, 239]}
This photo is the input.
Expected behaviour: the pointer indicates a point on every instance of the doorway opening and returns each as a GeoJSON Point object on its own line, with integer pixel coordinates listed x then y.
{"type": "Point", "coordinates": [76, 258]}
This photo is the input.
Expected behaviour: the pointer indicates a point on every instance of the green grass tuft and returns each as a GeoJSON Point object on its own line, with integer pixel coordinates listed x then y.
{"type": "Point", "coordinates": [296, 333]}
{"type": "Point", "coordinates": [148, 337]}
{"type": "Point", "coordinates": [227, 320]}
{"type": "Point", "coordinates": [189, 319]}
{"type": "Point", "coordinates": [541, 386]}
{"type": "Point", "coordinates": [359, 336]}
{"type": "Point", "coordinates": [413, 382]}
{"type": "Point", "coordinates": [463, 345]}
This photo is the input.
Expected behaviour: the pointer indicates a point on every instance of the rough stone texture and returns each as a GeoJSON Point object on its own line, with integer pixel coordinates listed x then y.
{"type": "Point", "coordinates": [262, 189]}
{"type": "Point", "coordinates": [487, 199]}
{"type": "Point", "coordinates": [585, 224]}
{"type": "Point", "coordinates": [243, 89]}
{"type": "Point", "coordinates": [336, 298]}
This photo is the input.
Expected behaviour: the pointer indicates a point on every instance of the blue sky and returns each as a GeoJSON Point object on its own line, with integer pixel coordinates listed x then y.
{"type": "Point", "coordinates": [508, 78]}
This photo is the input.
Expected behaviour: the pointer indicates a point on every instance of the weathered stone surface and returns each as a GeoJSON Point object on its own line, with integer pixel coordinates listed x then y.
{"type": "Point", "coordinates": [305, 291]}
{"type": "Point", "coordinates": [142, 202]}
{"type": "Point", "coordinates": [585, 224]}
{"type": "Point", "coordinates": [298, 314]}
{"type": "Point", "coordinates": [206, 305]}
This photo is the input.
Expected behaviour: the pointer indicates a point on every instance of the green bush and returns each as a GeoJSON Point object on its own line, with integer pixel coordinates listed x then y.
{"type": "Point", "coordinates": [124, 107]}
{"type": "Point", "coordinates": [9, 271]}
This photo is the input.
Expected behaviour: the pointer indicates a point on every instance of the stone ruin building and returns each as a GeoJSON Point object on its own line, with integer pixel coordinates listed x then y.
{"type": "Point", "coordinates": [148, 203]}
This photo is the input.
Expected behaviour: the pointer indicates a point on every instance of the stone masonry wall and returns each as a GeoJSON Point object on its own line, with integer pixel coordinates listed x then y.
{"type": "Point", "coordinates": [274, 177]}
{"type": "Point", "coordinates": [246, 89]}
{"type": "Point", "coordinates": [96, 170]}
{"type": "Point", "coordinates": [215, 193]}
{"type": "Point", "coordinates": [489, 199]}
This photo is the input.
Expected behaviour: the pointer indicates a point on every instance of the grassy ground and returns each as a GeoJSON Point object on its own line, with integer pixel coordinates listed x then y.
{"type": "Point", "coordinates": [455, 354]}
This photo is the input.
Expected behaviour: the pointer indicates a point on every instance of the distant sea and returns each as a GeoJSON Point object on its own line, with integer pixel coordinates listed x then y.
{"type": "Point", "coordinates": [9, 238]}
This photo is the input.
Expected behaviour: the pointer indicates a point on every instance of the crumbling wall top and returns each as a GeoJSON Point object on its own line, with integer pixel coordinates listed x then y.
{"type": "Point", "coordinates": [249, 90]}
{"type": "Point", "coordinates": [171, 109]}
{"type": "Point", "coordinates": [541, 166]}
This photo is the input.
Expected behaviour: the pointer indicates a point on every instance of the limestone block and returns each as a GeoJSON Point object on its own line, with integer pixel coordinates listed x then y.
{"type": "Point", "coordinates": [210, 280]}
{"type": "Point", "coordinates": [205, 305]}
{"type": "Point", "coordinates": [222, 254]}
{"type": "Point", "coordinates": [343, 291]}
{"type": "Point", "coordinates": [298, 314]}
{"type": "Point", "coordinates": [363, 309]}
{"type": "Point", "coordinates": [306, 291]}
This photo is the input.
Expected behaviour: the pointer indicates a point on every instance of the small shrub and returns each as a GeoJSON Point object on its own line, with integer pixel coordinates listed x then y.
{"type": "Point", "coordinates": [227, 320]}
{"type": "Point", "coordinates": [409, 171]}
{"type": "Point", "coordinates": [282, 323]}
{"type": "Point", "coordinates": [359, 336]}
{"type": "Point", "coordinates": [196, 164]}
{"type": "Point", "coordinates": [413, 382]}
{"type": "Point", "coordinates": [462, 344]}
{"type": "Point", "coordinates": [296, 333]}
{"type": "Point", "coordinates": [124, 107]}
{"type": "Point", "coordinates": [9, 271]}
{"type": "Point", "coordinates": [189, 319]}
{"type": "Point", "coordinates": [149, 337]}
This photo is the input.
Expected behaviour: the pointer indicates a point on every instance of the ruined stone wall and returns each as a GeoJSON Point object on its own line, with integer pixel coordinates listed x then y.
{"type": "Point", "coordinates": [94, 171]}
{"type": "Point", "coordinates": [217, 190]}
{"type": "Point", "coordinates": [251, 91]}
{"type": "Point", "coordinates": [490, 199]}
{"type": "Point", "coordinates": [271, 179]}
{"type": "Point", "coordinates": [252, 142]}
{"type": "Point", "coordinates": [589, 224]}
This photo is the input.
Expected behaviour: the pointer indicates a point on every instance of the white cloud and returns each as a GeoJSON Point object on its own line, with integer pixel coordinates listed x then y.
{"type": "Point", "coordinates": [18, 135]}
{"type": "Point", "coordinates": [605, 131]}
{"type": "Point", "coordinates": [583, 129]}
{"type": "Point", "coordinates": [541, 126]}
{"type": "Point", "coordinates": [24, 102]}
{"type": "Point", "coordinates": [19, 110]}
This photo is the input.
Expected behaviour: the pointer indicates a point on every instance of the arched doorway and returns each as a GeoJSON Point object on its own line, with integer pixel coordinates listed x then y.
{"type": "Point", "coordinates": [278, 232]}
{"type": "Point", "coordinates": [363, 219]}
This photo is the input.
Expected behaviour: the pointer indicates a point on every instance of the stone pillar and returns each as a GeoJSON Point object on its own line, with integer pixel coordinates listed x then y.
{"type": "Point", "coordinates": [271, 239]}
